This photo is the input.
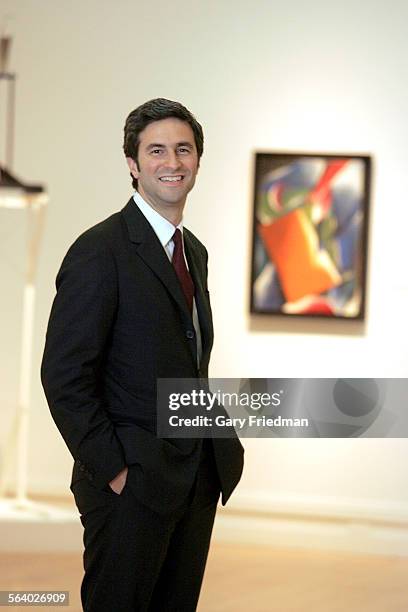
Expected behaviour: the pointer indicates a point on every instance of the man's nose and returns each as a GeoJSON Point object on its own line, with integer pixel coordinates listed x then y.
{"type": "Point", "coordinates": [173, 160]}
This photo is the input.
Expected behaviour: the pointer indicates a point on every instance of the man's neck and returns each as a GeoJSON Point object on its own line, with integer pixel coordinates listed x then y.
{"type": "Point", "coordinates": [173, 213]}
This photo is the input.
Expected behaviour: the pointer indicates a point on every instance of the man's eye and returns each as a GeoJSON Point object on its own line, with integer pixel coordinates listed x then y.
{"type": "Point", "coordinates": [184, 150]}
{"type": "Point", "coordinates": [157, 151]}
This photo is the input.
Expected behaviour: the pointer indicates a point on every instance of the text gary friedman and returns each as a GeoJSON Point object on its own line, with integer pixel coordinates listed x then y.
{"type": "Point", "coordinates": [236, 422]}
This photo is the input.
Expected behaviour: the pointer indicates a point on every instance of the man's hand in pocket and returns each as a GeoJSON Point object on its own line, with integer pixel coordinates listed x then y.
{"type": "Point", "coordinates": [118, 483]}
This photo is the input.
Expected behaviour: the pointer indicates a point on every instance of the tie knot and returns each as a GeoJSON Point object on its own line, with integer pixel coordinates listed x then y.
{"type": "Point", "coordinates": [177, 237]}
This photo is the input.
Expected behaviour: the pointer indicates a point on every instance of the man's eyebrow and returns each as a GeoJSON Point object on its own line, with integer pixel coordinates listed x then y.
{"type": "Point", "coordinates": [154, 145]}
{"type": "Point", "coordinates": [157, 145]}
{"type": "Point", "coordinates": [185, 144]}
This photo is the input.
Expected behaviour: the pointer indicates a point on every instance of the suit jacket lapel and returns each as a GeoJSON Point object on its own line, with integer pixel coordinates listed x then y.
{"type": "Point", "coordinates": [153, 254]}
{"type": "Point", "coordinates": [151, 251]}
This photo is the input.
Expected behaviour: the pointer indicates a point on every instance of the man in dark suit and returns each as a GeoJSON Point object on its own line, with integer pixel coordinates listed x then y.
{"type": "Point", "coordinates": [132, 306]}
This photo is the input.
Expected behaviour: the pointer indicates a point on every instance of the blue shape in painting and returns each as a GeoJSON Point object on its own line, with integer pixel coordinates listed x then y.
{"type": "Point", "coordinates": [267, 291]}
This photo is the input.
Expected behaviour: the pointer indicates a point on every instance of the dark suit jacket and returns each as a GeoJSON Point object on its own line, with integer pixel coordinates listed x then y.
{"type": "Point", "coordinates": [118, 322]}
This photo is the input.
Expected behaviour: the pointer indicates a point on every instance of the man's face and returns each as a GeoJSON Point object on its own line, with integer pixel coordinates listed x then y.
{"type": "Point", "coordinates": [167, 163]}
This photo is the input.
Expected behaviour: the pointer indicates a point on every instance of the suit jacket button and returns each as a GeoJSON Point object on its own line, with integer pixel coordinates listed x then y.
{"type": "Point", "coordinates": [82, 467]}
{"type": "Point", "coordinates": [189, 334]}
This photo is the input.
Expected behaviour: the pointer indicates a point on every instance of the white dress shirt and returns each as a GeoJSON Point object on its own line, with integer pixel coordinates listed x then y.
{"type": "Point", "coordinates": [164, 230]}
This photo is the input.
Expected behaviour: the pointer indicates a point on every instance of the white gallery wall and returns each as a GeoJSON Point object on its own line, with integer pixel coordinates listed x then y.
{"type": "Point", "coordinates": [265, 75]}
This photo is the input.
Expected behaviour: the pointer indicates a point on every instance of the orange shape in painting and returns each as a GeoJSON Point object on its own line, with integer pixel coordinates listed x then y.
{"type": "Point", "coordinates": [303, 268]}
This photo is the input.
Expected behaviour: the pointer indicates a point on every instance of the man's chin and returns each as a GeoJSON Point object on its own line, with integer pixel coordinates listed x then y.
{"type": "Point", "coordinates": [175, 197]}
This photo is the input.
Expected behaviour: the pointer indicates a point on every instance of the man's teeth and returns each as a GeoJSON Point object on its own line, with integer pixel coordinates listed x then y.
{"type": "Point", "coordinates": [171, 179]}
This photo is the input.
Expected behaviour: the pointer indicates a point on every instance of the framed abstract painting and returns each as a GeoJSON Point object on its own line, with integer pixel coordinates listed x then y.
{"type": "Point", "coordinates": [310, 234]}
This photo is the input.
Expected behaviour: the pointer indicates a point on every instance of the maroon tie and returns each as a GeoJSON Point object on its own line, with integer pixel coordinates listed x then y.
{"type": "Point", "coordinates": [182, 272]}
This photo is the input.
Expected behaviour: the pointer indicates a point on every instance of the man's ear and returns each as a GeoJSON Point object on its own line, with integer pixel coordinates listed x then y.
{"type": "Point", "coordinates": [133, 167]}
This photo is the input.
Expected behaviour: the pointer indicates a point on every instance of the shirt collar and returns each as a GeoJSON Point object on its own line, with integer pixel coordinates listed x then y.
{"type": "Point", "coordinates": [163, 229]}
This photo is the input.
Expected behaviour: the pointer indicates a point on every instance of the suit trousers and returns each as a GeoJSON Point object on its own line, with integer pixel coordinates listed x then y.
{"type": "Point", "coordinates": [137, 560]}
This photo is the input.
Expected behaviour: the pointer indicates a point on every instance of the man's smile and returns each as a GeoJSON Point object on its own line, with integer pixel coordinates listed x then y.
{"type": "Point", "coordinates": [171, 179]}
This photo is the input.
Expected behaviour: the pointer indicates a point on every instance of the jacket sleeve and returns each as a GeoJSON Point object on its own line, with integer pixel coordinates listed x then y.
{"type": "Point", "coordinates": [81, 321]}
